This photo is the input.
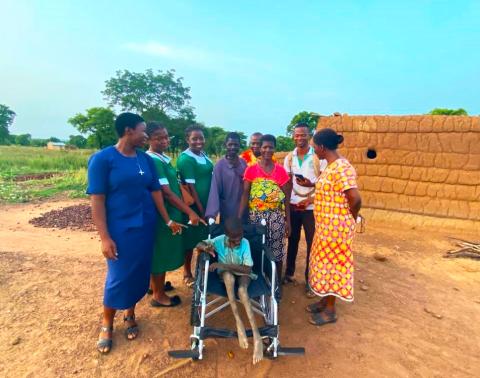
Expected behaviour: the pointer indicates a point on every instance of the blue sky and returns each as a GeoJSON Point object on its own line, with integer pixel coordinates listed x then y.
{"type": "Point", "coordinates": [251, 65]}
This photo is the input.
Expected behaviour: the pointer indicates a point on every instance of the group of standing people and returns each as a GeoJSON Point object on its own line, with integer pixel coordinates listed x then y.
{"type": "Point", "coordinates": [315, 189]}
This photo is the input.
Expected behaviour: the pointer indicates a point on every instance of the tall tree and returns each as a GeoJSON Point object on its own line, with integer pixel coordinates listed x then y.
{"type": "Point", "coordinates": [6, 119]}
{"type": "Point", "coordinates": [141, 92]}
{"type": "Point", "coordinates": [309, 118]}
{"type": "Point", "coordinates": [23, 139]}
{"type": "Point", "coordinates": [285, 144]}
{"type": "Point", "coordinates": [214, 140]}
{"type": "Point", "coordinates": [98, 124]}
{"type": "Point", "coordinates": [443, 111]}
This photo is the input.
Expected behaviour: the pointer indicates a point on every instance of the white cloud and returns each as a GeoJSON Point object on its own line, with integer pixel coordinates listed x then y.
{"type": "Point", "coordinates": [209, 60]}
{"type": "Point", "coordinates": [158, 49]}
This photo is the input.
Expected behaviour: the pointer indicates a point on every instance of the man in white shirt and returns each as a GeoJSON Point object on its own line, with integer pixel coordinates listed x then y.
{"type": "Point", "coordinates": [301, 162]}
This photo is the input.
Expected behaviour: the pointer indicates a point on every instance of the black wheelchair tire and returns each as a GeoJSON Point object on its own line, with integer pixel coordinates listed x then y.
{"type": "Point", "coordinates": [195, 306]}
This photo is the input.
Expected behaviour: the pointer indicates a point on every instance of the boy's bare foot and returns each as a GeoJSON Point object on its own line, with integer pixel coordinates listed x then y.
{"type": "Point", "coordinates": [257, 350]}
{"type": "Point", "coordinates": [242, 337]}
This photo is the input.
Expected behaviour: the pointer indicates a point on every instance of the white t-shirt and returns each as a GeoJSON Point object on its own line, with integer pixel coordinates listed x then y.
{"type": "Point", "coordinates": [306, 169]}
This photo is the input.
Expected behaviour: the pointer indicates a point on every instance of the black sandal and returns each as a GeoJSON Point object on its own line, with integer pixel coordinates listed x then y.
{"type": "Point", "coordinates": [105, 343]}
{"type": "Point", "coordinates": [317, 319]}
{"type": "Point", "coordinates": [132, 330]}
{"type": "Point", "coordinates": [174, 301]}
{"type": "Point", "coordinates": [168, 287]}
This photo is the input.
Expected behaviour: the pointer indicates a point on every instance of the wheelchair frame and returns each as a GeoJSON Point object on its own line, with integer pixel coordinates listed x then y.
{"type": "Point", "coordinates": [266, 306]}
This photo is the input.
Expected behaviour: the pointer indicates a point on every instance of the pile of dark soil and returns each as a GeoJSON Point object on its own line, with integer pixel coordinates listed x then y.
{"type": "Point", "coordinates": [35, 176]}
{"type": "Point", "coordinates": [78, 217]}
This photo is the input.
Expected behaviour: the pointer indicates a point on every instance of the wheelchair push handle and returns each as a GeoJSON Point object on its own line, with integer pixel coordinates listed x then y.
{"type": "Point", "coordinates": [210, 222]}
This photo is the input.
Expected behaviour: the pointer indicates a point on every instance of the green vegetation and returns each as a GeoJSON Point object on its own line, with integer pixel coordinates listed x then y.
{"type": "Point", "coordinates": [311, 119]}
{"type": "Point", "coordinates": [453, 112]}
{"type": "Point", "coordinates": [28, 173]}
{"type": "Point", "coordinates": [7, 116]}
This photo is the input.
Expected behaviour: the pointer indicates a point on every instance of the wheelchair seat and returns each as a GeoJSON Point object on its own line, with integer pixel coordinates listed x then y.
{"type": "Point", "coordinates": [256, 288]}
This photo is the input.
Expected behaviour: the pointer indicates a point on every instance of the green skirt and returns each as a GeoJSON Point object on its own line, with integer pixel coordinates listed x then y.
{"type": "Point", "coordinates": [168, 253]}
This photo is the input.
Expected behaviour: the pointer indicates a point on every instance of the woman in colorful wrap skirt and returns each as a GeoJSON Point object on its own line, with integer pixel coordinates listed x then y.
{"type": "Point", "coordinates": [336, 206]}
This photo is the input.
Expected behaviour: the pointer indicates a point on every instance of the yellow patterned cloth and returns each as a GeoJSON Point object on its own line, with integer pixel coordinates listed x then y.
{"type": "Point", "coordinates": [331, 260]}
{"type": "Point", "coordinates": [265, 194]}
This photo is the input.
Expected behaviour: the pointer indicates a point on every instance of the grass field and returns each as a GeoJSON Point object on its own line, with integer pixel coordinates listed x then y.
{"type": "Point", "coordinates": [28, 173]}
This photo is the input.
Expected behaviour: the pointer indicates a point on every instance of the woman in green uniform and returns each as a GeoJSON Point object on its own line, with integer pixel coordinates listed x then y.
{"type": "Point", "coordinates": [169, 251]}
{"type": "Point", "coordinates": [195, 170]}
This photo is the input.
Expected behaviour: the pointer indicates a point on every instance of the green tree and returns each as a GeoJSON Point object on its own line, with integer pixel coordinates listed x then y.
{"type": "Point", "coordinates": [36, 142]}
{"type": "Point", "coordinates": [285, 144]}
{"type": "Point", "coordinates": [243, 140]}
{"type": "Point", "coordinates": [453, 112]}
{"type": "Point", "coordinates": [215, 138]}
{"type": "Point", "coordinates": [53, 139]}
{"type": "Point", "coordinates": [309, 118]}
{"type": "Point", "coordinates": [140, 92]}
{"type": "Point", "coordinates": [99, 124]}
{"type": "Point", "coordinates": [23, 139]}
{"type": "Point", "coordinates": [78, 141]}
{"type": "Point", "coordinates": [6, 119]}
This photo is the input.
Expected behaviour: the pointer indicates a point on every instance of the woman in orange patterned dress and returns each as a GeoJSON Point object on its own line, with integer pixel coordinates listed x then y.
{"type": "Point", "coordinates": [336, 206]}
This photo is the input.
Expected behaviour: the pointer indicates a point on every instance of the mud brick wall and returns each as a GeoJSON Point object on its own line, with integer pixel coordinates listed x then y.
{"type": "Point", "coordinates": [426, 165]}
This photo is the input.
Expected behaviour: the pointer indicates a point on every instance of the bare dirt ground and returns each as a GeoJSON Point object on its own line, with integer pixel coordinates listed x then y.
{"type": "Point", "coordinates": [415, 314]}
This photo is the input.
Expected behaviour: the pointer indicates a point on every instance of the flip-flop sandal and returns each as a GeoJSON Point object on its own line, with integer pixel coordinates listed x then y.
{"type": "Point", "coordinates": [167, 287]}
{"type": "Point", "coordinates": [132, 330]}
{"type": "Point", "coordinates": [317, 319]}
{"type": "Point", "coordinates": [174, 301]}
{"type": "Point", "coordinates": [105, 343]}
{"type": "Point", "coordinates": [189, 281]}
{"type": "Point", "coordinates": [315, 308]}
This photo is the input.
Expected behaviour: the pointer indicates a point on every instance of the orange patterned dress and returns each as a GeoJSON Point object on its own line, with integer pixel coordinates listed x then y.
{"type": "Point", "coordinates": [331, 260]}
{"type": "Point", "coordinates": [250, 157]}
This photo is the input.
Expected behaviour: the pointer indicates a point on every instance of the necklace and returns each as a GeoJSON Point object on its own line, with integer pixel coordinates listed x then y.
{"type": "Point", "coordinates": [140, 171]}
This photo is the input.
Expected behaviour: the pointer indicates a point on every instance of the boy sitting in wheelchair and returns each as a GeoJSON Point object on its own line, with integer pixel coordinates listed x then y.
{"type": "Point", "coordinates": [235, 264]}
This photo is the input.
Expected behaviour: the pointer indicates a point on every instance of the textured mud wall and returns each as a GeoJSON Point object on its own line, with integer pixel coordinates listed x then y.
{"type": "Point", "coordinates": [427, 165]}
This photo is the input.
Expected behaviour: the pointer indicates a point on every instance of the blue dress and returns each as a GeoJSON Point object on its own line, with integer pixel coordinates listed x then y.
{"type": "Point", "coordinates": [127, 183]}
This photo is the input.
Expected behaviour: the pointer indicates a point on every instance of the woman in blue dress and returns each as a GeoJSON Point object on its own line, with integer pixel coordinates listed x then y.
{"type": "Point", "coordinates": [125, 196]}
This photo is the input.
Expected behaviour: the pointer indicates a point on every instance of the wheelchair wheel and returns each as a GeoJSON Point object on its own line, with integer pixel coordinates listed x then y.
{"type": "Point", "coordinates": [194, 347]}
{"type": "Point", "coordinates": [196, 294]}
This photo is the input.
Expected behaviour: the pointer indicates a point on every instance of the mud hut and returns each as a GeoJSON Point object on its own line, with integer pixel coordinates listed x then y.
{"type": "Point", "coordinates": [425, 169]}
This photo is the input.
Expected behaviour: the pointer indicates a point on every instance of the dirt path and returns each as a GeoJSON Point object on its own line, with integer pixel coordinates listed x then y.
{"type": "Point", "coordinates": [417, 314]}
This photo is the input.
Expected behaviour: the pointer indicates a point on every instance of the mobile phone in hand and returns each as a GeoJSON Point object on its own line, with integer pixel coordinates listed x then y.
{"type": "Point", "coordinates": [299, 176]}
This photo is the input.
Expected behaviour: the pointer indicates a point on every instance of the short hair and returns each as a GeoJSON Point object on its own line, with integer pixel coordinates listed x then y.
{"type": "Point", "coordinates": [232, 135]}
{"type": "Point", "coordinates": [233, 225]}
{"type": "Point", "coordinates": [193, 128]}
{"type": "Point", "coordinates": [127, 119]}
{"type": "Point", "coordinates": [257, 134]}
{"type": "Point", "coordinates": [154, 126]}
{"type": "Point", "coordinates": [301, 124]}
{"type": "Point", "coordinates": [328, 138]}
{"type": "Point", "coordinates": [268, 138]}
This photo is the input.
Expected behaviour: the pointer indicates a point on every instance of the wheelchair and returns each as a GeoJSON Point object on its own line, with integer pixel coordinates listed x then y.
{"type": "Point", "coordinates": [210, 297]}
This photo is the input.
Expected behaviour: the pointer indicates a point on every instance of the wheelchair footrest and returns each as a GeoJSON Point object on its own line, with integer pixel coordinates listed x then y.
{"type": "Point", "coordinates": [284, 351]}
{"type": "Point", "coordinates": [209, 332]}
{"type": "Point", "coordinates": [184, 354]}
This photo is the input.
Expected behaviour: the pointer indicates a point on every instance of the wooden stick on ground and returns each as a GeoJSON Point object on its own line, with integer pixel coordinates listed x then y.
{"type": "Point", "coordinates": [172, 367]}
